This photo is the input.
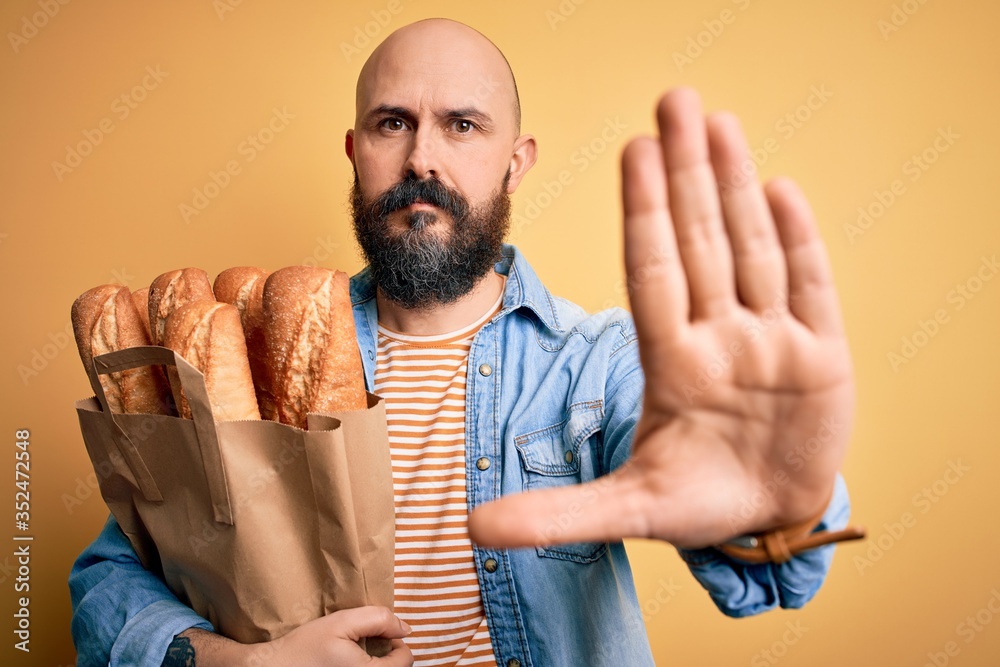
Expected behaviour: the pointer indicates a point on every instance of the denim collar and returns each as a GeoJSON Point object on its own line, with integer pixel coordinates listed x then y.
{"type": "Point", "coordinates": [523, 290]}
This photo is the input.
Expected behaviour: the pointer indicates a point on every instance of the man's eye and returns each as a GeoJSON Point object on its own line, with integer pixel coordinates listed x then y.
{"type": "Point", "coordinates": [464, 126]}
{"type": "Point", "coordinates": [394, 124]}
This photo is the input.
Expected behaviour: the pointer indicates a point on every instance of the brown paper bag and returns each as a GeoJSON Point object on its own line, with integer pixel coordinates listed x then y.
{"type": "Point", "coordinates": [258, 526]}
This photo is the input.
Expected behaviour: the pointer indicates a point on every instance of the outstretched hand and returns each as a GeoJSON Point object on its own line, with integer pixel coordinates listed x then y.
{"type": "Point", "coordinates": [749, 395]}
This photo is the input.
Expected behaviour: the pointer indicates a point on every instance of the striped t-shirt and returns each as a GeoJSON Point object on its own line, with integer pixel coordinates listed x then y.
{"type": "Point", "coordinates": [422, 379]}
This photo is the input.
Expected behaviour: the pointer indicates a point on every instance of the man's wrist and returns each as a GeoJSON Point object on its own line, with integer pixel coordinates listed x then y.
{"type": "Point", "coordinates": [180, 653]}
{"type": "Point", "coordinates": [200, 647]}
{"type": "Point", "coordinates": [780, 544]}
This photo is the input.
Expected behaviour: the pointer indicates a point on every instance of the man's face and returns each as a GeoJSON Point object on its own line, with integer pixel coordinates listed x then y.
{"type": "Point", "coordinates": [434, 147]}
{"type": "Point", "coordinates": [420, 265]}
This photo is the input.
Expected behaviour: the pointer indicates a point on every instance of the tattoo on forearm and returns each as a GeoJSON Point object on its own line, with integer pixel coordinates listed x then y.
{"type": "Point", "coordinates": [180, 653]}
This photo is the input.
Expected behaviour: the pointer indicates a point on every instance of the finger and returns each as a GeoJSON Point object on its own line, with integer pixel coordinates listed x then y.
{"type": "Point", "coordinates": [812, 295]}
{"type": "Point", "coordinates": [655, 277]}
{"type": "Point", "coordinates": [757, 256]}
{"type": "Point", "coordinates": [694, 204]}
{"type": "Point", "coordinates": [399, 656]}
{"type": "Point", "coordinates": [608, 509]}
{"type": "Point", "coordinates": [370, 621]}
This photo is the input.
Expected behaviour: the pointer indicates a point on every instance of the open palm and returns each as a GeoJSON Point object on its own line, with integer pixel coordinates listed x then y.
{"type": "Point", "coordinates": [749, 394]}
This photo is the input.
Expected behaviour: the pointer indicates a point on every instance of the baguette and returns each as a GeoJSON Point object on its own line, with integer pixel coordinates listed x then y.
{"type": "Point", "coordinates": [105, 319]}
{"type": "Point", "coordinates": [141, 299]}
{"type": "Point", "coordinates": [209, 336]}
{"type": "Point", "coordinates": [243, 287]}
{"type": "Point", "coordinates": [312, 349]}
{"type": "Point", "coordinates": [171, 290]}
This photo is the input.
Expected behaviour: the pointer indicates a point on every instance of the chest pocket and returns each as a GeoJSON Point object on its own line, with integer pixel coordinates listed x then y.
{"type": "Point", "coordinates": [562, 454]}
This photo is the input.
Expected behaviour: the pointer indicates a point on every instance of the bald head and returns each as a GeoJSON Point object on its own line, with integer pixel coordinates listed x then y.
{"type": "Point", "coordinates": [442, 62]}
{"type": "Point", "coordinates": [437, 122]}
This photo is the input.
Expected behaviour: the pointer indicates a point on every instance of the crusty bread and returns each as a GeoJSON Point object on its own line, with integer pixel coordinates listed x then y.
{"type": "Point", "coordinates": [313, 357]}
{"type": "Point", "coordinates": [105, 320]}
{"type": "Point", "coordinates": [209, 336]}
{"type": "Point", "coordinates": [141, 299]}
{"type": "Point", "coordinates": [243, 287]}
{"type": "Point", "coordinates": [277, 345]}
{"type": "Point", "coordinates": [171, 290]}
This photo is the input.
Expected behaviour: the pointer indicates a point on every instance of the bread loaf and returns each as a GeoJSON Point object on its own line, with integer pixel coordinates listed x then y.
{"type": "Point", "coordinates": [277, 345]}
{"type": "Point", "coordinates": [105, 320]}
{"type": "Point", "coordinates": [209, 336]}
{"type": "Point", "coordinates": [141, 299]}
{"type": "Point", "coordinates": [171, 290]}
{"type": "Point", "coordinates": [312, 349]}
{"type": "Point", "coordinates": [243, 287]}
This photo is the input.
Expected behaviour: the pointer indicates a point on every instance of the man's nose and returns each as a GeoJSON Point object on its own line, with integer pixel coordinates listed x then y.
{"type": "Point", "coordinates": [422, 160]}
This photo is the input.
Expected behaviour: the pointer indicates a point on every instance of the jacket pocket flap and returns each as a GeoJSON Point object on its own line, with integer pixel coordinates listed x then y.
{"type": "Point", "coordinates": [555, 449]}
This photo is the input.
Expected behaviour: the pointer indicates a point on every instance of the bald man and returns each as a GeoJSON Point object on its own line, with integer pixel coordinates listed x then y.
{"type": "Point", "coordinates": [715, 420]}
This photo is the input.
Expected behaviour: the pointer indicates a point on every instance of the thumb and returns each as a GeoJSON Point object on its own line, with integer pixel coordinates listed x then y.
{"type": "Point", "coordinates": [606, 510]}
{"type": "Point", "coordinates": [370, 621]}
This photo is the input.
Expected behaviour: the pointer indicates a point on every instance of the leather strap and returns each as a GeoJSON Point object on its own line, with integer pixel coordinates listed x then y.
{"type": "Point", "coordinates": [779, 545]}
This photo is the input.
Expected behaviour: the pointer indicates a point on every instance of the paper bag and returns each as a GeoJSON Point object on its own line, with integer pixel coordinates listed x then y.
{"type": "Point", "coordinates": [257, 526]}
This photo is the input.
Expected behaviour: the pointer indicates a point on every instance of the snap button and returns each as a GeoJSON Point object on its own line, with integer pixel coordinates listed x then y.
{"type": "Point", "coordinates": [491, 566]}
{"type": "Point", "coordinates": [483, 463]}
{"type": "Point", "coordinates": [485, 370]}
{"type": "Point", "coordinates": [569, 457]}
{"type": "Point", "coordinates": [371, 355]}
{"type": "Point", "coordinates": [513, 662]}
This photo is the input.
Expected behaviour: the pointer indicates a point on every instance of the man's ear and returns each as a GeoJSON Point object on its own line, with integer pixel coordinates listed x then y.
{"type": "Point", "coordinates": [524, 156]}
{"type": "Point", "coordinates": [349, 145]}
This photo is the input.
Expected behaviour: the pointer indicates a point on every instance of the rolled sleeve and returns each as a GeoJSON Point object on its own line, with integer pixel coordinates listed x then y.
{"type": "Point", "coordinates": [123, 614]}
{"type": "Point", "coordinates": [742, 589]}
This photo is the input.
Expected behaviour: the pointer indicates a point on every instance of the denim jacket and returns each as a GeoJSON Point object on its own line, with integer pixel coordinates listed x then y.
{"type": "Point", "coordinates": [546, 380]}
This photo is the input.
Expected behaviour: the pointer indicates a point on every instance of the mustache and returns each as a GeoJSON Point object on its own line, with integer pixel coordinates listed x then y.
{"type": "Point", "coordinates": [410, 189]}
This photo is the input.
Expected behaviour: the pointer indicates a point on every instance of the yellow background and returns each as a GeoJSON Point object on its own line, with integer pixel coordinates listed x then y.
{"type": "Point", "coordinates": [116, 217]}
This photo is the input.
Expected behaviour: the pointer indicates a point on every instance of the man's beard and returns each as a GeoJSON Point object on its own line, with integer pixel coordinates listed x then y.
{"type": "Point", "coordinates": [419, 266]}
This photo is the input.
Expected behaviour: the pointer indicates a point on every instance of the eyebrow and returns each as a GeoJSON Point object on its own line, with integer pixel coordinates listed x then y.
{"type": "Point", "coordinates": [472, 113]}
